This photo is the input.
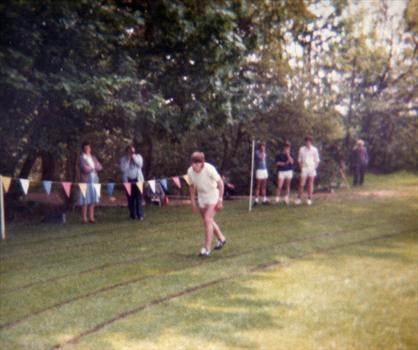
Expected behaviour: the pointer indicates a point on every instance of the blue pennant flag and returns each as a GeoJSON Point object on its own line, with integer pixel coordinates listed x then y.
{"type": "Point", "coordinates": [110, 186]}
{"type": "Point", "coordinates": [164, 183]}
{"type": "Point", "coordinates": [47, 186]}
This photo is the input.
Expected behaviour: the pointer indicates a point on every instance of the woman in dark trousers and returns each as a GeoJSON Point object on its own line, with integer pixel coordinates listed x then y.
{"type": "Point", "coordinates": [359, 162]}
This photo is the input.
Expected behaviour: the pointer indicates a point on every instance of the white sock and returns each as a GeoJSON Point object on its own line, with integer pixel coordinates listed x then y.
{"type": "Point", "coordinates": [265, 199]}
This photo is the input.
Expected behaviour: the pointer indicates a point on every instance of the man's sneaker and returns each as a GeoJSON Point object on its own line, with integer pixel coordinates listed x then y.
{"type": "Point", "coordinates": [309, 202]}
{"type": "Point", "coordinates": [219, 245]}
{"type": "Point", "coordinates": [286, 200]}
{"type": "Point", "coordinates": [298, 201]}
{"type": "Point", "coordinates": [204, 253]}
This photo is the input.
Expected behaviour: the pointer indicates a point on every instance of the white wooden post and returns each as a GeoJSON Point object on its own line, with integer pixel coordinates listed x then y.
{"type": "Point", "coordinates": [250, 204]}
{"type": "Point", "coordinates": [2, 221]}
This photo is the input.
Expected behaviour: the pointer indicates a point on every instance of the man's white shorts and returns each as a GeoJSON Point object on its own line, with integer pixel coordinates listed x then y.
{"type": "Point", "coordinates": [206, 199]}
{"type": "Point", "coordinates": [261, 174]}
{"type": "Point", "coordinates": [286, 175]}
{"type": "Point", "coordinates": [308, 172]}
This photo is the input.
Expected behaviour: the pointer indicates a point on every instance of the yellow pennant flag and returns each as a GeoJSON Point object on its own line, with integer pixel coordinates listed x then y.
{"type": "Point", "coordinates": [186, 178]}
{"type": "Point", "coordinates": [140, 186]}
{"type": "Point", "coordinates": [83, 189]}
{"type": "Point", "coordinates": [6, 183]}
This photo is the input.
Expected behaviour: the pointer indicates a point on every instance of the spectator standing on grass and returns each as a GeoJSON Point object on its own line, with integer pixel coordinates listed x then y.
{"type": "Point", "coordinates": [261, 173]}
{"type": "Point", "coordinates": [359, 162]}
{"type": "Point", "coordinates": [131, 167]}
{"type": "Point", "coordinates": [284, 162]}
{"type": "Point", "coordinates": [205, 180]}
{"type": "Point", "coordinates": [308, 159]}
{"type": "Point", "coordinates": [89, 166]}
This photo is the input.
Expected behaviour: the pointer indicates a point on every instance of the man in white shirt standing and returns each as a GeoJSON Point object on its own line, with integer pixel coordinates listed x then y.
{"type": "Point", "coordinates": [308, 159]}
{"type": "Point", "coordinates": [210, 189]}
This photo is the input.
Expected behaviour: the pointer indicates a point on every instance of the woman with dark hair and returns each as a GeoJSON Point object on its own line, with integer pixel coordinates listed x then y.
{"type": "Point", "coordinates": [89, 166]}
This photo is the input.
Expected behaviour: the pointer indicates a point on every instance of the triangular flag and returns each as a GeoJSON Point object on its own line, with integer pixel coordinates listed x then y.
{"type": "Point", "coordinates": [6, 183]}
{"type": "Point", "coordinates": [140, 186]}
{"type": "Point", "coordinates": [67, 188]}
{"type": "Point", "coordinates": [47, 186]}
{"type": "Point", "coordinates": [97, 188]}
{"type": "Point", "coordinates": [83, 188]}
{"type": "Point", "coordinates": [25, 185]}
{"type": "Point", "coordinates": [163, 183]}
{"type": "Point", "coordinates": [177, 181]}
{"type": "Point", "coordinates": [151, 184]}
{"type": "Point", "coordinates": [186, 178]}
{"type": "Point", "coordinates": [128, 187]}
{"type": "Point", "coordinates": [109, 188]}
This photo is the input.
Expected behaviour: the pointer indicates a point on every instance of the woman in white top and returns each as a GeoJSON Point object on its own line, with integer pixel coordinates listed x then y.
{"type": "Point", "coordinates": [89, 166]}
{"type": "Point", "coordinates": [205, 180]}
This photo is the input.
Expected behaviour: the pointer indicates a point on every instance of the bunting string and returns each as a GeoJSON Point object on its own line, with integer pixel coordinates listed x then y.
{"type": "Point", "coordinates": [109, 186]}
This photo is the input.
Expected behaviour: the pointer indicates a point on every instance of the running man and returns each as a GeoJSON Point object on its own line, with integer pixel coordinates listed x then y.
{"type": "Point", "coordinates": [210, 189]}
{"type": "Point", "coordinates": [308, 161]}
{"type": "Point", "coordinates": [284, 162]}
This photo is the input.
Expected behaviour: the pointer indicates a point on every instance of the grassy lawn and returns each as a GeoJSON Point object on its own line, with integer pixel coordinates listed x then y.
{"type": "Point", "coordinates": [341, 274]}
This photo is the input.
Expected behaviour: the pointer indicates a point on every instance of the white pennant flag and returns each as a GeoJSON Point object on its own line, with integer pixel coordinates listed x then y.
{"type": "Point", "coordinates": [25, 185]}
{"type": "Point", "coordinates": [151, 184]}
{"type": "Point", "coordinates": [97, 188]}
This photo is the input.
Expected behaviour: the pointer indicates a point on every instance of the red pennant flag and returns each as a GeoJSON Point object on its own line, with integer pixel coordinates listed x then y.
{"type": "Point", "coordinates": [177, 181]}
{"type": "Point", "coordinates": [67, 188]}
{"type": "Point", "coordinates": [128, 187]}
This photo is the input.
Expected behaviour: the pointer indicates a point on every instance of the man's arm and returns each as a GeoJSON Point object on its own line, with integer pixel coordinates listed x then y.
{"type": "Point", "coordinates": [192, 190]}
{"type": "Point", "coordinates": [221, 188]}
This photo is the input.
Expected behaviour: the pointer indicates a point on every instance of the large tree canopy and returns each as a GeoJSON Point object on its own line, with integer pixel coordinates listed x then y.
{"type": "Point", "coordinates": [178, 75]}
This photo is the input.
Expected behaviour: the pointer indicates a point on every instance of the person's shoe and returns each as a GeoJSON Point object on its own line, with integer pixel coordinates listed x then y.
{"type": "Point", "coordinates": [298, 201]}
{"type": "Point", "coordinates": [309, 202]}
{"type": "Point", "coordinates": [255, 204]}
{"type": "Point", "coordinates": [204, 253]}
{"type": "Point", "coordinates": [141, 218]}
{"type": "Point", "coordinates": [266, 203]}
{"type": "Point", "coordinates": [286, 200]}
{"type": "Point", "coordinates": [219, 245]}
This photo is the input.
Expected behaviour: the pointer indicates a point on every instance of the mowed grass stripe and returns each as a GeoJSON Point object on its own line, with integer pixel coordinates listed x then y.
{"type": "Point", "coordinates": [76, 339]}
{"type": "Point", "coordinates": [105, 289]}
{"type": "Point", "coordinates": [142, 258]}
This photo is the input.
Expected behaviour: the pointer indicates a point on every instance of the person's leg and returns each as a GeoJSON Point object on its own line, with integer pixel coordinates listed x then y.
{"type": "Point", "coordinates": [257, 189]}
{"type": "Point", "coordinates": [84, 212]}
{"type": "Point", "coordinates": [264, 189]}
{"type": "Point", "coordinates": [361, 175]}
{"type": "Point", "coordinates": [91, 211]}
{"type": "Point", "coordinates": [134, 194]}
{"type": "Point", "coordinates": [140, 207]}
{"type": "Point", "coordinates": [302, 181]}
{"type": "Point", "coordinates": [310, 186]}
{"type": "Point", "coordinates": [130, 199]}
{"type": "Point", "coordinates": [287, 188]}
{"type": "Point", "coordinates": [280, 181]}
{"type": "Point", "coordinates": [356, 176]}
{"type": "Point", "coordinates": [217, 232]}
{"type": "Point", "coordinates": [207, 215]}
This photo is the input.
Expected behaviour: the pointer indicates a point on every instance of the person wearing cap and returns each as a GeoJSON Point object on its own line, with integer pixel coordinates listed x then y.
{"type": "Point", "coordinates": [359, 162]}
{"type": "Point", "coordinates": [308, 159]}
{"type": "Point", "coordinates": [208, 184]}
{"type": "Point", "coordinates": [284, 162]}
